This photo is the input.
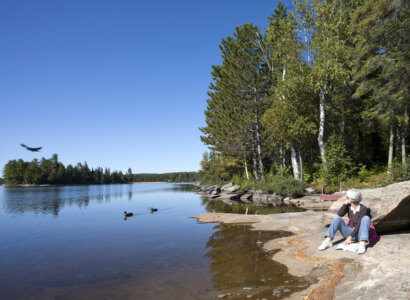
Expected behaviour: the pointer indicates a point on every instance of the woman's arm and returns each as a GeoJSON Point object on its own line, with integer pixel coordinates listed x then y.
{"type": "Point", "coordinates": [344, 208]}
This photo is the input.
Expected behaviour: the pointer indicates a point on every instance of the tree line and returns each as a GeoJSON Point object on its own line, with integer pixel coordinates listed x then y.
{"type": "Point", "coordinates": [51, 171]}
{"type": "Point", "coordinates": [321, 93]}
{"type": "Point", "coordinates": [166, 177]}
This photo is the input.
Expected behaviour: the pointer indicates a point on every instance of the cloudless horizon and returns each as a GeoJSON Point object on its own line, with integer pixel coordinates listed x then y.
{"type": "Point", "coordinates": [118, 84]}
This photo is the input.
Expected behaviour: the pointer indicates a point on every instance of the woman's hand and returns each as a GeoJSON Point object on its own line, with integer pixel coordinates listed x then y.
{"type": "Point", "coordinates": [348, 240]}
{"type": "Point", "coordinates": [348, 201]}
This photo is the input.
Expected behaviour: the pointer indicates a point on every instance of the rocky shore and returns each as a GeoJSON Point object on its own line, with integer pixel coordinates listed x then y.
{"type": "Point", "coordinates": [230, 193]}
{"type": "Point", "coordinates": [380, 273]}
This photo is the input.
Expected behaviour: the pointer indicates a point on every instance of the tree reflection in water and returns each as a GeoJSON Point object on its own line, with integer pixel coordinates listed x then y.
{"type": "Point", "coordinates": [238, 262]}
{"type": "Point", "coordinates": [51, 200]}
{"type": "Point", "coordinates": [240, 208]}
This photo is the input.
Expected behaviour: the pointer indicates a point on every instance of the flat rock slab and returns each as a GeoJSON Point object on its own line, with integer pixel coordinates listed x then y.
{"type": "Point", "coordinates": [390, 206]}
{"type": "Point", "coordinates": [380, 273]}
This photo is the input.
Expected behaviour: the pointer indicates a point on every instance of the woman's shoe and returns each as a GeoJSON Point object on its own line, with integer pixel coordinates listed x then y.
{"type": "Point", "coordinates": [361, 249]}
{"type": "Point", "coordinates": [325, 244]}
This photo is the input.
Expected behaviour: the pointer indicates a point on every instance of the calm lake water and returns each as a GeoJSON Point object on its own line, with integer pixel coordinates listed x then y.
{"type": "Point", "coordinates": [72, 242]}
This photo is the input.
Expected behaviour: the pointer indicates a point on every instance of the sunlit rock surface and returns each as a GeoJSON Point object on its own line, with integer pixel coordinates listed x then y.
{"type": "Point", "coordinates": [390, 206]}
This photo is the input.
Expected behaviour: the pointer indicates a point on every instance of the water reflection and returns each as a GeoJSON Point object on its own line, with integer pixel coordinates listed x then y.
{"type": "Point", "coordinates": [220, 206]}
{"type": "Point", "coordinates": [51, 200]}
{"type": "Point", "coordinates": [182, 187]}
{"type": "Point", "coordinates": [90, 252]}
{"type": "Point", "coordinates": [240, 266]}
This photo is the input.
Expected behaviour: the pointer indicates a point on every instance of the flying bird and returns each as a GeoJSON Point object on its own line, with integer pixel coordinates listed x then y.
{"type": "Point", "coordinates": [31, 149]}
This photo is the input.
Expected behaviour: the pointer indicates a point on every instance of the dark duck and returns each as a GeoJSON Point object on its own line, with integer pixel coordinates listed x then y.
{"type": "Point", "coordinates": [127, 215]}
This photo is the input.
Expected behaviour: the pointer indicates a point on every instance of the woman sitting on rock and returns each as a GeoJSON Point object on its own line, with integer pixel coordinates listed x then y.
{"type": "Point", "coordinates": [359, 223]}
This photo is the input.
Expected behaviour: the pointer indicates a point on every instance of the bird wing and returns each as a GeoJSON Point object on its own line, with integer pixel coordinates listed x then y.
{"type": "Point", "coordinates": [31, 149]}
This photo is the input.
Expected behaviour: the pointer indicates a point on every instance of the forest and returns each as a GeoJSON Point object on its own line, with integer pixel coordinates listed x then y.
{"type": "Point", "coordinates": [51, 171]}
{"type": "Point", "coordinates": [321, 95]}
{"type": "Point", "coordinates": [166, 177]}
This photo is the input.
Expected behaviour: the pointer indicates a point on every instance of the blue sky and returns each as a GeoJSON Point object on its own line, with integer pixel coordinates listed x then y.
{"type": "Point", "coordinates": [114, 83]}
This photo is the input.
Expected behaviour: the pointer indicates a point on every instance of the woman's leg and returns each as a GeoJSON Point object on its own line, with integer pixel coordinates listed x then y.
{"type": "Point", "coordinates": [364, 229]}
{"type": "Point", "coordinates": [338, 224]}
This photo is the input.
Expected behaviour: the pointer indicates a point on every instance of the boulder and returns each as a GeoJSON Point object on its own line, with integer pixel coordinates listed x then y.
{"type": "Point", "coordinates": [246, 197]}
{"type": "Point", "coordinates": [215, 192]}
{"type": "Point", "coordinates": [287, 201]}
{"type": "Point", "coordinates": [231, 196]}
{"type": "Point", "coordinates": [274, 200]}
{"type": "Point", "coordinates": [309, 190]}
{"type": "Point", "coordinates": [224, 187]}
{"type": "Point", "coordinates": [389, 206]}
{"type": "Point", "coordinates": [231, 189]}
{"type": "Point", "coordinates": [259, 198]}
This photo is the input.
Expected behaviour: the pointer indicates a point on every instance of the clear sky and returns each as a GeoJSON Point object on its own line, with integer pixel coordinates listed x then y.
{"type": "Point", "coordinates": [114, 83]}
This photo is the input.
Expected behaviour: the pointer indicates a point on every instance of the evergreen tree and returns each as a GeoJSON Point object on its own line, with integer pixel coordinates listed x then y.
{"type": "Point", "coordinates": [382, 68]}
{"type": "Point", "coordinates": [235, 103]}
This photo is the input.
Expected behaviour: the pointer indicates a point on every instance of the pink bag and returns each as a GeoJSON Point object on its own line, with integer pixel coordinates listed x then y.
{"type": "Point", "coordinates": [373, 236]}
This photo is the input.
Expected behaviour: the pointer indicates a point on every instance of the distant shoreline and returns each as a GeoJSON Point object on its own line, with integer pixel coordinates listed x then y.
{"type": "Point", "coordinates": [48, 185]}
{"type": "Point", "coordinates": [139, 182]}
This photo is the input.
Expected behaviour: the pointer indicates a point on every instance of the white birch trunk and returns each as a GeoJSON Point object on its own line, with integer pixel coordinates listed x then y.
{"type": "Point", "coordinates": [282, 157]}
{"type": "Point", "coordinates": [398, 142]}
{"type": "Point", "coordinates": [255, 163]}
{"type": "Point", "coordinates": [258, 138]}
{"type": "Point", "coordinates": [390, 159]}
{"type": "Point", "coordinates": [246, 168]}
{"type": "Point", "coordinates": [403, 145]}
{"type": "Point", "coordinates": [294, 161]}
{"type": "Point", "coordinates": [259, 152]}
{"type": "Point", "coordinates": [301, 165]}
{"type": "Point", "coordinates": [320, 137]}
{"type": "Point", "coordinates": [403, 136]}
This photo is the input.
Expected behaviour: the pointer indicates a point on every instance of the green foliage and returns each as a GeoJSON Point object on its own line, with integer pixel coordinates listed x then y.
{"type": "Point", "coordinates": [339, 165]}
{"type": "Point", "coordinates": [400, 171]}
{"type": "Point", "coordinates": [164, 177]}
{"type": "Point", "coordinates": [354, 54]}
{"type": "Point", "coordinates": [51, 171]}
{"type": "Point", "coordinates": [282, 185]}
{"type": "Point", "coordinates": [217, 168]}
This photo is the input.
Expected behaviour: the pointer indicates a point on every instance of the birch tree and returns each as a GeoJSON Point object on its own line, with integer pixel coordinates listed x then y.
{"type": "Point", "coordinates": [329, 43]}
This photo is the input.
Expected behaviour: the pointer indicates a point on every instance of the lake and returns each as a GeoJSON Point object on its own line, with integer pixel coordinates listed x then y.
{"type": "Point", "coordinates": [73, 242]}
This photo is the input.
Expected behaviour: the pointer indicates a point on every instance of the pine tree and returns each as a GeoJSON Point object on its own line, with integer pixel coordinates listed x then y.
{"type": "Point", "coordinates": [235, 102]}
{"type": "Point", "coordinates": [382, 67]}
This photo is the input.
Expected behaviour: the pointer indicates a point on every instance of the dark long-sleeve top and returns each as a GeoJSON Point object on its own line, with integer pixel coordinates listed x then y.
{"type": "Point", "coordinates": [354, 219]}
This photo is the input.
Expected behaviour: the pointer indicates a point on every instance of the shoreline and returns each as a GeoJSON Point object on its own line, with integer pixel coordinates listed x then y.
{"type": "Point", "coordinates": [53, 185]}
{"type": "Point", "coordinates": [380, 273]}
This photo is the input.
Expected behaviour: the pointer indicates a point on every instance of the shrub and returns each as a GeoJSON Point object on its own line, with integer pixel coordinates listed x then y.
{"type": "Point", "coordinates": [400, 171]}
{"type": "Point", "coordinates": [283, 186]}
